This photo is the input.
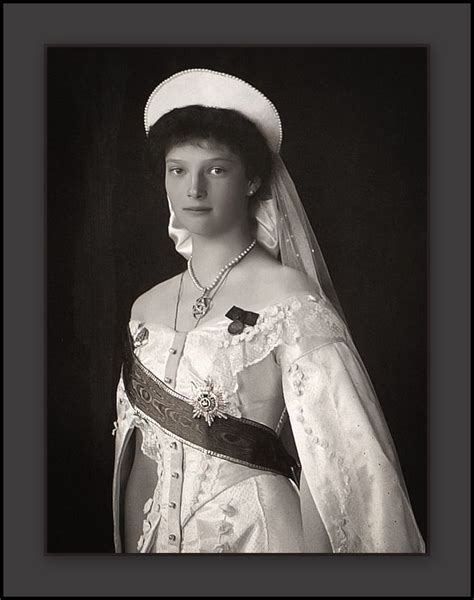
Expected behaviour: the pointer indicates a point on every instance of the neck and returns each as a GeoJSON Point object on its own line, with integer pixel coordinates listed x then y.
{"type": "Point", "coordinates": [210, 255]}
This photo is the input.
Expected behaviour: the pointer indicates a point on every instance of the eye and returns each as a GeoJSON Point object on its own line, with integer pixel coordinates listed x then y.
{"type": "Point", "coordinates": [217, 170]}
{"type": "Point", "coordinates": [175, 170]}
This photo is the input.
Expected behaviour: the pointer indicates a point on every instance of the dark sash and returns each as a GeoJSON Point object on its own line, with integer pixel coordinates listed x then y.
{"type": "Point", "coordinates": [237, 440]}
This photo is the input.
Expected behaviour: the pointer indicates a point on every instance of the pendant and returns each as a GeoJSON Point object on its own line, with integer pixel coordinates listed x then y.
{"type": "Point", "coordinates": [201, 306]}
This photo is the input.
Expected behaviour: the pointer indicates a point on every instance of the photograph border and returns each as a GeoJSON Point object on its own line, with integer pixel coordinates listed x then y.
{"type": "Point", "coordinates": [446, 30]}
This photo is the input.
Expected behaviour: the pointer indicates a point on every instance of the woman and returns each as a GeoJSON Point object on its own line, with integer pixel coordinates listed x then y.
{"type": "Point", "coordinates": [256, 426]}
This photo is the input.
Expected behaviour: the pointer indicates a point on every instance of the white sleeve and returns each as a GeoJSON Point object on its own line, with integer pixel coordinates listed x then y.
{"type": "Point", "coordinates": [346, 451]}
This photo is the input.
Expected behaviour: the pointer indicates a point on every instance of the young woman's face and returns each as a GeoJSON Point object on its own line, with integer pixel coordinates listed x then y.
{"type": "Point", "coordinates": [207, 187]}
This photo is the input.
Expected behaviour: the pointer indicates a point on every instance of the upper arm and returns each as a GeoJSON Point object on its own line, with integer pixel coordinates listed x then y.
{"type": "Point", "coordinates": [138, 308]}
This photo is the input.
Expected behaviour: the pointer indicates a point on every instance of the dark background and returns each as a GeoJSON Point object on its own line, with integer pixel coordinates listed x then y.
{"type": "Point", "coordinates": [355, 142]}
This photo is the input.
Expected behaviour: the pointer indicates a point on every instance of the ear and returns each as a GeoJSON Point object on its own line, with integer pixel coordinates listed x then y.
{"type": "Point", "coordinates": [253, 186]}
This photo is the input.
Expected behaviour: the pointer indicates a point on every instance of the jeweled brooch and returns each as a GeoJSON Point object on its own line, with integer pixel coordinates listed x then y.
{"type": "Point", "coordinates": [201, 306]}
{"type": "Point", "coordinates": [209, 401]}
{"type": "Point", "coordinates": [141, 337]}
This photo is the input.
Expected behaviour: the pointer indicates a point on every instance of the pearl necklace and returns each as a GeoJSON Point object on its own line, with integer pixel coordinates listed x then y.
{"type": "Point", "coordinates": [202, 304]}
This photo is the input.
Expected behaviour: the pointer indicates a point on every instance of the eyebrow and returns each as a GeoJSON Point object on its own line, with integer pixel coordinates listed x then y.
{"type": "Point", "coordinates": [207, 159]}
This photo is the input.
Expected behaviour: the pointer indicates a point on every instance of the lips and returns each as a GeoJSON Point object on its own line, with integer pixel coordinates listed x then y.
{"type": "Point", "coordinates": [197, 209]}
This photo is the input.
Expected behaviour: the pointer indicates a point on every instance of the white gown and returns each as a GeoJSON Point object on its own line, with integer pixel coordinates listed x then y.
{"type": "Point", "coordinates": [297, 362]}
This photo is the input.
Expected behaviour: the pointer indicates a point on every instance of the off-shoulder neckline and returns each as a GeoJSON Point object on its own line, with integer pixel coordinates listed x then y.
{"type": "Point", "coordinates": [154, 325]}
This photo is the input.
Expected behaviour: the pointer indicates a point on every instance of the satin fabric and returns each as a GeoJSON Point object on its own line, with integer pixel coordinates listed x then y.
{"type": "Point", "coordinates": [296, 363]}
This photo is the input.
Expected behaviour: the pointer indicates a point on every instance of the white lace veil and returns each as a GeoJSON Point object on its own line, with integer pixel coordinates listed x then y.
{"type": "Point", "coordinates": [281, 223]}
{"type": "Point", "coordinates": [297, 241]}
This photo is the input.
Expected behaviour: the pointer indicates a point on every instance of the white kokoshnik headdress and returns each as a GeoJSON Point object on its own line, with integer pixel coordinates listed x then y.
{"type": "Point", "coordinates": [282, 226]}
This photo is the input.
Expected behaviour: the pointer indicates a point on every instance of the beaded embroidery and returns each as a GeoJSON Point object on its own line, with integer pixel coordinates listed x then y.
{"type": "Point", "coordinates": [226, 528]}
{"type": "Point", "coordinates": [297, 376]}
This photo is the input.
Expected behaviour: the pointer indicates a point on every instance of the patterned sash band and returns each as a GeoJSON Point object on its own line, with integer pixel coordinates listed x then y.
{"type": "Point", "coordinates": [237, 440]}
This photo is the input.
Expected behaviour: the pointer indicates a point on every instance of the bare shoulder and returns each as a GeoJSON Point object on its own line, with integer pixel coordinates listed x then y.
{"type": "Point", "coordinates": [289, 280]}
{"type": "Point", "coordinates": [152, 305]}
{"type": "Point", "coordinates": [272, 281]}
{"type": "Point", "coordinates": [282, 278]}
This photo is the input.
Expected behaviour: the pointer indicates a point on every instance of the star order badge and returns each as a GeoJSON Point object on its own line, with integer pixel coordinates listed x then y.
{"type": "Point", "coordinates": [209, 401]}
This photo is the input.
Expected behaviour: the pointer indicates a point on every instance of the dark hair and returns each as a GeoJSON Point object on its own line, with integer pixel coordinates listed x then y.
{"type": "Point", "coordinates": [220, 125]}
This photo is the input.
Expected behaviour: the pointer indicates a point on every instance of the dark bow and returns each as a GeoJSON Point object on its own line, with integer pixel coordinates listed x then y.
{"type": "Point", "coordinates": [240, 318]}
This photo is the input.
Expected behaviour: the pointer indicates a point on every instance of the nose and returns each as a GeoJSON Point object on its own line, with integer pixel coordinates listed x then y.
{"type": "Point", "coordinates": [196, 187]}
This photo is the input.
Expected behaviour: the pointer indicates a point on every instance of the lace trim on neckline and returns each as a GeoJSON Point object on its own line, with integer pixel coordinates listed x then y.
{"type": "Point", "coordinates": [213, 323]}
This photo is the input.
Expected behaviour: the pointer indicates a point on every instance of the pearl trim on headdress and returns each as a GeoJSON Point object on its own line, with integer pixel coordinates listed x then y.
{"type": "Point", "coordinates": [249, 114]}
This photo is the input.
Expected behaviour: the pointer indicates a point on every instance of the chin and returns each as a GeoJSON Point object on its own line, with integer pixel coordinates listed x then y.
{"type": "Point", "coordinates": [199, 228]}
